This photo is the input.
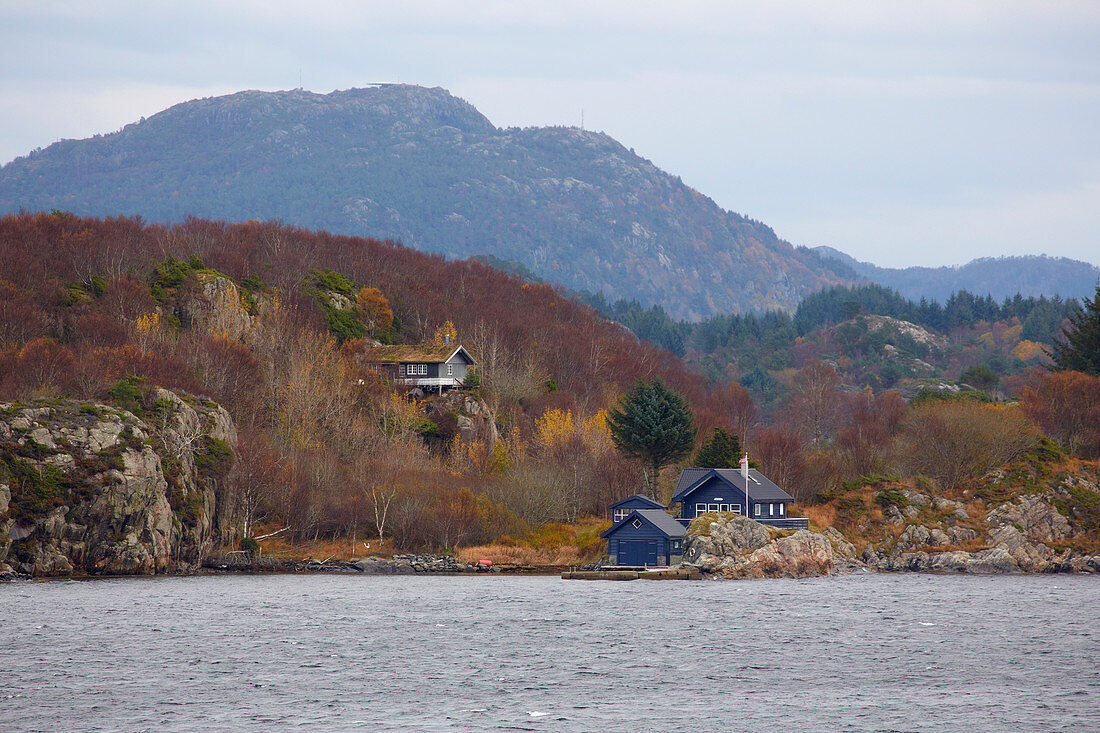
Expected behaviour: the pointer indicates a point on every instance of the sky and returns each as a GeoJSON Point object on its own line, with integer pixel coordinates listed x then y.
{"type": "Point", "coordinates": [902, 133]}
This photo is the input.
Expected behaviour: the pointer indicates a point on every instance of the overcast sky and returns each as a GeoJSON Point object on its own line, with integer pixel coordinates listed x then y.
{"type": "Point", "coordinates": [902, 133]}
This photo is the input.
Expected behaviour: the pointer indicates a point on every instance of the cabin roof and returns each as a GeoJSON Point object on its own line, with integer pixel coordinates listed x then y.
{"type": "Point", "coordinates": [637, 497]}
{"type": "Point", "coordinates": [417, 353]}
{"type": "Point", "coordinates": [761, 488]}
{"type": "Point", "coordinates": [659, 518]}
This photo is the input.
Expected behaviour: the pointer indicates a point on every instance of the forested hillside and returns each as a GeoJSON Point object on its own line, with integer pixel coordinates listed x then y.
{"type": "Point", "coordinates": [275, 324]}
{"type": "Point", "coordinates": [419, 165]}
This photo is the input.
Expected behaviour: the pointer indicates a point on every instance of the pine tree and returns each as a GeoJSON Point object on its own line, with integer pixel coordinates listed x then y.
{"type": "Point", "coordinates": [722, 450]}
{"type": "Point", "coordinates": [1080, 351]}
{"type": "Point", "coordinates": [654, 424]}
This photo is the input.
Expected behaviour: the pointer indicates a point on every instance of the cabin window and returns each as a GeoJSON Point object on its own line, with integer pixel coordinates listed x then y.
{"type": "Point", "coordinates": [675, 545]}
{"type": "Point", "coordinates": [758, 507]}
{"type": "Point", "coordinates": [700, 509]}
{"type": "Point", "coordinates": [714, 507]}
{"type": "Point", "coordinates": [735, 508]}
{"type": "Point", "coordinates": [620, 514]}
{"type": "Point", "coordinates": [782, 509]}
{"type": "Point", "coordinates": [724, 507]}
{"type": "Point", "coordinates": [771, 510]}
{"type": "Point", "coordinates": [450, 370]}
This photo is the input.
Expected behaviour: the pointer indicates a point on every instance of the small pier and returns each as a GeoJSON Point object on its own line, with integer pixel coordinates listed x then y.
{"type": "Point", "coordinates": [635, 573]}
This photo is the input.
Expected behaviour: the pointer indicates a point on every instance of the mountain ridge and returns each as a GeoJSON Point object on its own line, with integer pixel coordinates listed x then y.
{"type": "Point", "coordinates": [1001, 277]}
{"type": "Point", "coordinates": [424, 167]}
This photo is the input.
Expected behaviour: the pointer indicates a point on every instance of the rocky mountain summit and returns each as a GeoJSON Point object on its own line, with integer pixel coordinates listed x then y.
{"type": "Point", "coordinates": [424, 167]}
{"type": "Point", "coordinates": [91, 488]}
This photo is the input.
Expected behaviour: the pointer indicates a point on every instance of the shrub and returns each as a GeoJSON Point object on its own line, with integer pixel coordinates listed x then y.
{"type": "Point", "coordinates": [891, 497]}
{"type": "Point", "coordinates": [249, 544]}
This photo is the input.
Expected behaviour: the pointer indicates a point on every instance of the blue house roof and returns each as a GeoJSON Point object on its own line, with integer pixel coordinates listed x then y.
{"type": "Point", "coordinates": [645, 501]}
{"type": "Point", "coordinates": [659, 518]}
{"type": "Point", "coordinates": [760, 487]}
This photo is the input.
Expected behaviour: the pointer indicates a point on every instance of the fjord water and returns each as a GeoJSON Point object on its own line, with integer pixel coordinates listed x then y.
{"type": "Point", "coordinates": [327, 653]}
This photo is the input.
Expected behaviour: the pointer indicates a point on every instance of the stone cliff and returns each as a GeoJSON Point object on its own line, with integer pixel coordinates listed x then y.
{"type": "Point", "coordinates": [92, 488]}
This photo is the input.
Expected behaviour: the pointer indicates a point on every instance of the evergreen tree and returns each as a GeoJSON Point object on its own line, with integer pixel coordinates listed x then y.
{"type": "Point", "coordinates": [654, 424]}
{"type": "Point", "coordinates": [1080, 352]}
{"type": "Point", "coordinates": [722, 450]}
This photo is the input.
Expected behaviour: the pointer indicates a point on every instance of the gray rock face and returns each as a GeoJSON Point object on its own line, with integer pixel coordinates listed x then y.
{"type": "Point", "coordinates": [474, 419]}
{"type": "Point", "coordinates": [218, 308]}
{"type": "Point", "coordinates": [731, 546]}
{"type": "Point", "coordinates": [1034, 517]}
{"type": "Point", "coordinates": [114, 494]}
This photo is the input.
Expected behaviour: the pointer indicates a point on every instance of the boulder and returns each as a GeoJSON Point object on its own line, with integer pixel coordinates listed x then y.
{"type": "Point", "coordinates": [732, 546]}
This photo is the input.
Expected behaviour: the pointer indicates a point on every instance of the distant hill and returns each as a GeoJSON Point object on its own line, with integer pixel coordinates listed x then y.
{"type": "Point", "coordinates": [1000, 277]}
{"type": "Point", "coordinates": [424, 167]}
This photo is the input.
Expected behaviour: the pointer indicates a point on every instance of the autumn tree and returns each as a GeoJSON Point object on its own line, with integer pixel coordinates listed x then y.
{"type": "Point", "coordinates": [1066, 405]}
{"type": "Point", "coordinates": [815, 400]}
{"type": "Point", "coordinates": [957, 441]}
{"type": "Point", "coordinates": [1080, 351]}
{"type": "Point", "coordinates": [374, 310]}
{"type": "Point", "coordinates": [653, 424]}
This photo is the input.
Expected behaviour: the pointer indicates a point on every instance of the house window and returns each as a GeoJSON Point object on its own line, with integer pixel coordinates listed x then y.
{"type": "Point", "coordinates": [782, 509]}
{"type": "Point", "coordinates": [637, 524]}
{"type": "Point", "coordinates": [700, 509]}
{"type": "Point", "coordinates": [714, 507]}
{"type": "Point", "coordinates": [675, 546]}
{"type": "Point", "coordinates": [620, 515]}
{"type": "Point", "coordinates": [724, 507]}
{"type": "Point", "coordinates": [450, 370]}
{"type": "Point", "coordinates": [735, 508]}
{"type": "Point", "coordinates": [771, 510]}
{"type": "Point", "coordinates": [758, 510]}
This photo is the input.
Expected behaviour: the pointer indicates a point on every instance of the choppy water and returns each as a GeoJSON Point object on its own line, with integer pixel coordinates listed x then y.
{"type": "Point", "coordinates": [328, 653]}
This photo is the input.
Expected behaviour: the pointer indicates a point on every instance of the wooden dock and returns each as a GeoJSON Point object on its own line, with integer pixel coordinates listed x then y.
{"type": "Point", "coordinates": [679, 573]}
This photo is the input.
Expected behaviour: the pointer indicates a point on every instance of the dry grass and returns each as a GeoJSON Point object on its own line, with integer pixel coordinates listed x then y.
{"type": "Point", "coordinates": [523, 556]}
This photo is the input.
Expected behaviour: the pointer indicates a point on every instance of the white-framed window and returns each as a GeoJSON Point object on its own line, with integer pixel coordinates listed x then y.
{"type": "Point", "coordinates": [782, 510]}
{"type": "Point", "coordinates": [714, 507]}
{"type": "Point", "coordinates": [676, 546]}
{"type": "Point", "coordinates": [771, 510]}
{"type": "Point", "coordinates": [637, 524]}
{"type": "Point", "coordinates": [700, 509]}
{"type": "Point", "coordinates": [450, 370]}
{"type": "Point", "coordinates": [620, 514]}
{"type": "Point", "coordinates": [758, 506]}
{"type": "Point", "coordinates": [735, 508]}
{"type": "Point", "coordinates": [723, 507]}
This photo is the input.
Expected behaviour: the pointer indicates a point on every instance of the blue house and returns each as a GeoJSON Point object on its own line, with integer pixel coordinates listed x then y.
{"type": "Point", "coordinates": [620, 509]}
{"type": "Point", "coordinates": [648, 537]}
{"type": "Point", "coordinates": [644, 533]}
{"type": "Point", "coordinates": [747, 492]}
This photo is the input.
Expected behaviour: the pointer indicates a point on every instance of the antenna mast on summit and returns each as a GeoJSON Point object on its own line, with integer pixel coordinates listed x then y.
{"type": "Point", "coordinates": [582, 118]}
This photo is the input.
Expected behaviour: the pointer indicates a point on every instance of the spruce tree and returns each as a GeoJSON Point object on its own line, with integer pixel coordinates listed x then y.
{"type": "Point", "coordinates": [1080, 351]}
{"type": "Point", "coordinates": [722, 450]}
{"type": "Point", "coordinates": [654, 424]}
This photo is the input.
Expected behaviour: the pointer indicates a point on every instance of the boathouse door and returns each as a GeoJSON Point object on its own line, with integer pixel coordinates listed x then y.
{"type": "Point", "coordinates": [637, 552]}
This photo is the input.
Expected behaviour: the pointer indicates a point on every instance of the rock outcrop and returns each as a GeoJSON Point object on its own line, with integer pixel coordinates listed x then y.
{"type": "Point", "coordinates": [90, 488]}
{"type": "Point", "coordinates": [731, 546]}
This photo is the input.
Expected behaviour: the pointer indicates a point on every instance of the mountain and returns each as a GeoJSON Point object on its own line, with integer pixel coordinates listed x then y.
{"type": "Point", "coordinates": [424, 167]}
{"type": "Point", "coordinates": [1000, 277]}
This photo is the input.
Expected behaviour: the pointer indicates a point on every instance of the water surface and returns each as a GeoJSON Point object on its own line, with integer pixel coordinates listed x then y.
{"type": "Point", "coordinates": [883, 652]}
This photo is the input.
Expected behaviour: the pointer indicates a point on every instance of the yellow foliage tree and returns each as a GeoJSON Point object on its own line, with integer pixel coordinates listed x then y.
{"type": "Point", "coordinates": [554, 428]}
{"type": "Point", "coordinates": [445, 334]}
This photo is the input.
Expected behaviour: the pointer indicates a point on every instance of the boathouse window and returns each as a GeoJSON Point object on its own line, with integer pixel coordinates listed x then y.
{"type": "Point", "coordinates": [782, 509]}
{"type": "Point", "coordinates": [758, 507]}
{"type": "Point", "coordinates": [771, 510]}
{"type": "Point", "coordinates": [620, 514]}
{"type": "Point", "coordinates": [675, 545]}
{"type": "Point", "coordinates": [700, 509]}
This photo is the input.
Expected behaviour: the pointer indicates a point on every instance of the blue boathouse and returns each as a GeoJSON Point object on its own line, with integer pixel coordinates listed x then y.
{"type": "Point", "coordinates": [645, 537]}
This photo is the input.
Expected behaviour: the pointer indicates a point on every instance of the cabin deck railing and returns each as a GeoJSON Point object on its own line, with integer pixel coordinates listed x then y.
{"type": "Point", "coordinates": [429, 382]}
{"type": "Point", "coordinates": [786, 522]}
